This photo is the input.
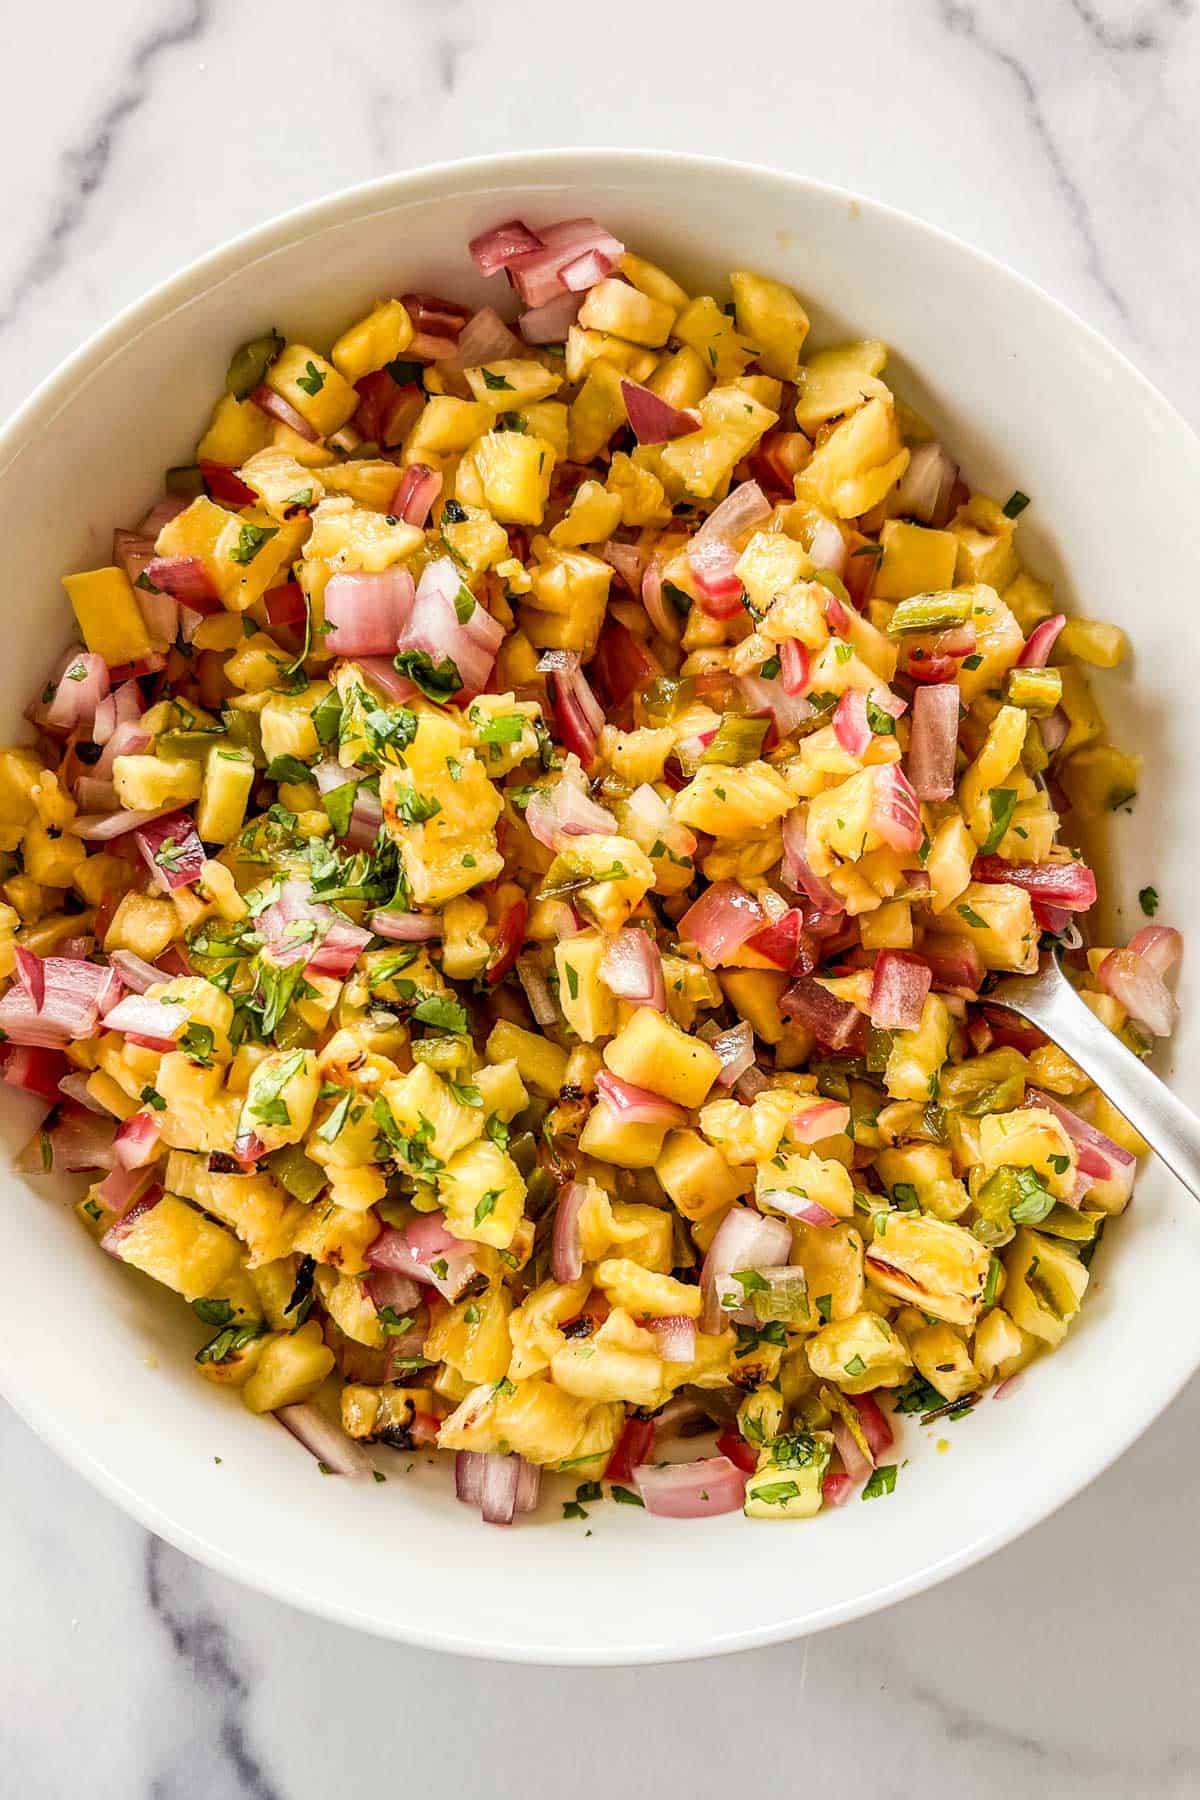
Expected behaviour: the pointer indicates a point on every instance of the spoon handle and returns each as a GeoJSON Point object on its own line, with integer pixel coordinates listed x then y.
{"type": "Point", "coordinates": [1170, 1128]}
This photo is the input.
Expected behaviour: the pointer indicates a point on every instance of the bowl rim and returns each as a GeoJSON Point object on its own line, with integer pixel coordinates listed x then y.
{"type": "Point", "coordinates": [38, 413]}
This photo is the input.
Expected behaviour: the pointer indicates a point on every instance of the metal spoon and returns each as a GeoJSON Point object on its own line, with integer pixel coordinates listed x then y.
{"type": "Point", "coordinates": [1048, 1001]}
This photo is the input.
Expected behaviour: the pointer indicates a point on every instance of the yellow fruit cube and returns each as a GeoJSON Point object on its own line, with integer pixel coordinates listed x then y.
{"type": "Point", "coordinates": [859, 1353]}
{"type": "Point", "coordinates": [837, 381]}
{"type": "Point", "coordinates": [178, 1246]}
{"type": "Point", "coordinates": [110, 619]}
{"type": "Point", "coordinates": [446, 426]}
{"type": "Point", "coordinates": [483, 1193]}
{"type": "Point", "coordinates": [915, 560]}
{"type": "Point", "coordinates": [542, 1065]}
{"type": "Point", "coordinates": [731, 802]}
{"type": "Point", "coordinates": [236, 431]}
{"type": "Point", "coordinates": [383, 335]}
{"type": "Point", "coordinates": [1045, 1285]}
{"type": "Point", "coordinates": [770, 316]}
{"type": "Point", "coordinates": [588, 1006]}
{"type": "Point", "coordinates": [931, 1264]}
{"type": "Point", "coordinates": [985, 543]}
{"type": "Point", "coordinates": [144, 783]}
{"type": "Point", "coordinates": [732, 422]}
{"type": "Point", "coordinates": [651, 1052]}
{"type": "Point", "coordinates": [229, 777]}
{"type": "Point", "coordinates": [703, 328]}
{"type": "Point", "coordinates": [515, 471]}
{"type": "Point", "coordinates": [323, 398]}
{"type": "Point", "coordinates": [616, 307]}
{"type": "Point", "coordinates": [697, 1177]}
{"type": "Point", "coordinates": [610, 1138]}
{"type": "Point", "coordinates": [291, 1368]}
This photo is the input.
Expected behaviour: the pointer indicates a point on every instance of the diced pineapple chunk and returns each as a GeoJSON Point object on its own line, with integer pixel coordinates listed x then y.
{"type": "Point", "coordinates": [839, 380]}
{"type": "Point", "coordinates": [770, 316]}
{"type": "Point", "coordinates": [942, 1357]}
{"type": "Point", "coordinates": [915, 560]}
{"type": "Point", "coordinates": [1044, 1287]}
{"type": "Point", "coordinates": [236, 431]}
{"type": "Point", "coordinates": [697, 1177]}
{"type": "Point", "coordinates": [730, 802]}
{"type": "Point", "coordinates": [859, 1353]}
{"type": "Point", "coordinates": [651, 1052]}
{"type": "Point", "coordinates": [612, 1139]}
{"type": "Point", "coordinates": [542, 1065]}
{"type": "Point", "coordinates": [858, 463]}
{"type": "Point", "coordinates": [787, 1482]}
{"type": "Point", "coordinates": [323, 398]}
{"type": "Point", "coordinates": [732, 422]}
{"type": "Point", "coordinates": [985, 546]}
{"type": "Point", "coordinates": [515, 471]}
{"type": "Point", "coordinates": [178, 1246]}
{"type": "Point", "coordinates": [473, 1336]}
{"type": "Point", "coordinates": [616, 307]}
{"type": "Point", "coordinates": [229, 776]}
{"type": "Point", "coordinates": [109, 616]}
{"type": "Point", "coordinates": [998, 919]}
{"type": "Point", "coordinates": [350, 537]}
{"type": "Point", "coordinates": [291, 1368]}
{"type": "Point", "coordinates": [703, 328]}
{"type": "Point", "coordinates": [931, 1264]}
{"type": "Point", "coordinates": [384, 334]}
{"type": "Point", "coordinates": [588, 1006]}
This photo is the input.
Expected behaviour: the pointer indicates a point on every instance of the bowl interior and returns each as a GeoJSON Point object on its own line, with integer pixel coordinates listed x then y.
{"type": "Point", "coordinates": [1024, 395]}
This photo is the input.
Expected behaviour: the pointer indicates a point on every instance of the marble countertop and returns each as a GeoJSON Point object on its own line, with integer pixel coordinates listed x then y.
{"type": "Point", "coordinates": [1060, 135]}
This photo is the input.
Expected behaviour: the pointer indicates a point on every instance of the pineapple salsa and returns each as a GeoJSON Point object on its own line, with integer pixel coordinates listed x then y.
{"type": "Point", "coordinates": [499, 900]}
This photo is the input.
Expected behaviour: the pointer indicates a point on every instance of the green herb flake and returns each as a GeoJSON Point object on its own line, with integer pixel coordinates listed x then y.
{"type": "Point", "coordinates": [1148, 901]}
{"type": "Point", "coordinates": [883, 1481]}
{"type": "Point", "coordinates": [972, 918]}
{"type": "Point", "coordinates": [251, 539]}
{"type": "Point", "coordinates": [495, 382]}
{"type": "Point", "coordinates": [625, 1496]}
{"type": "Point", "coordinates": [312, 380]}
{"type": "Point", "coordinates": [1015, 505]}
{"type": "Point", "coordinates": [152, 1097]}
{"type": "Point", "coordinates": [487, 1205]}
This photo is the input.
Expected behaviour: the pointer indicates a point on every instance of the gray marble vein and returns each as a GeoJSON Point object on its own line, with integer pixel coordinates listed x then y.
{"type": "Point", "coordinates": [970, 21]}
{"type": "Point", "coordinates": [85, 165]}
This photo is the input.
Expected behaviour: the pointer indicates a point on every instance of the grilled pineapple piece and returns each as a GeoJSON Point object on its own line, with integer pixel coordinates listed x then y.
{"type": "Point", "coordinates": [931, 1264]}
{"type": "Point", "coordinates": [858, 1353]}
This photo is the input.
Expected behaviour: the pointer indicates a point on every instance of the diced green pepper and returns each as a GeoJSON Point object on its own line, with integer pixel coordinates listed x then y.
{"type": "Point", "coordinates": [248, 367]}
{"type": "Point", "coordinates": [303, 1178]}
{"type": "Point", "coordinates": [929, 612]}
{"type": "Point", "coordinates": [738, 740]}
{"type": "Point", "coordinates": [1039, 691]}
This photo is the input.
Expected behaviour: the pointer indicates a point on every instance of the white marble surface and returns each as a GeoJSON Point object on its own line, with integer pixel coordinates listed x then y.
{"type": "Point", "coordinates": [1061, 135]}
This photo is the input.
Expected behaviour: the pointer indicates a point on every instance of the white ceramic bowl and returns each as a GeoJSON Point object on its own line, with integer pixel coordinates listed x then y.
{"type": "Point", "coordinates": [98, 1359]}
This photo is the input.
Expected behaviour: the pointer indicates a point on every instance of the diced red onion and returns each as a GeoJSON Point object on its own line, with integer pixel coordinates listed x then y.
{"type": "Point", "coordinates": [127, 739]}
{"type": "Point", "coordinates": [270, 402]}
{"type": "Point", "coordinates": [379, 671]}
{"type": "Point", "coordinates": [676, 1337]}
{"type": "Point", "coordinates": [145, 1018]}
{"type": "Point", "coordinates": [1040, 643]}
{"type": "Point", "coordinates": [137, 1139]}
{"type": "Point", "coordinates": [1159, 945]}
{"type": "Point", "coordinates": [858, 1466]}
{"type": "Point", "coordinates": [80, 1139]}
{"type": "Point", "coordinates": [387, 1287]}
{"type": "Point", "coordinates": [712, 560]}
{"type": "Point", "coordinates": [406, 928]}
{"type": "Point", "coordinates": [638, 1105]}
{"type": "Point", "coordinates": [493, 250]}
{"type": "Point", "coordinates": [555, 815]}
{"type": "Point", "coordinates": [895, 813]}
{"type": "Point", "coordinates": [787, 709]}
{"type": "Point", "coordinates": [833, 1022]}
{"type": "Point", "coordinates": [652, 419]}
{"type": "Point", "coordinates": [536, 985]}
{"type": "Point", "coordinates": [338, 950]}
{"type": "Point", "coordinates": [899, 988]}
{"type": "Point", "coordinates": [75, 1087]}
{"type": "Point", "coordinates": [433, 626]}
{"type": "Point", "coordinates": [720, 922]}
{"type": "Point", "coordinates": [836, 1489]}
{"type": "Point", "coordinates": [468, 1476]}
{"type": "Point", "coordinates": [76, 689]}
{"type": "Point", "coordinates": [823, 1119]}
{"type": "Point", "coordinates": [659, 612]}
{"type": "Point", "coordinates": [1139, 987]}
{"type": "Point", "coordinates": [1053, 730]}
{"type": "Point", "coordinates": [538, 274]}
{"type": "Point", "coordinates": [629, 561]}
{"type": "Point", "coordinates": [103, 828]}
{"type": "Point", "coordinates": [799, 872]}
{"type": "Point", "coordinates": [735, 1048]}
{"type": "Point", "coordinates": [695, 1490]}
{"type": "Point", "coordinates": [187, 580]}
{"type": "Point", "coordinates": [850, 726]}
{"type": "Point", "coordinates": [875, 1426]}
{"type": "Point", "coordinates": [887, 702]}
{"type": "Point", "coordinates": [171, 851]}
{"type": "Point", "coordinates": [33, 1069]}
{"type": "Point", "coordinates": [324, 1439]}
{"type": "Point", "coordinates": [1100, 1160]}
{"type": "Point", "coordinates": [828, 547]}
{"type": "Point", "coordinates": [744, 1240]}
{"type": "Point", "coordinates": [632, 969]}
{"type": "Point", "coordinates": [1071, 885]}
{"type": "Point", "coordinates": [367, 611]}
{"type": "Point", "coordinates": [577, 713]}
{"type": "Point", "coordinates": [419, 488]}
{"type": "Point", "coordinates": [650, 819]}
{"type": "Point", "coordinates": [926, 486]}
{"type": "Point", "coordinates": [507, 1485]}
{"type": "Point", "coordinates": [567, 1254]}
{"type": "Point", "coordinates": [136, 974]}
{"type": "Point", "coordinates": [795, 667]}
{"type": "Point", "coordinates": [744, 508]}
{"type": "Point", "coordinates": [131, 551]}
{"type": "Point", "coordinates": [796, 1206]}
{"type": "Point", "coordinates": [550, 323]}
{"type": "Point", "coordinates": [30, 971]}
